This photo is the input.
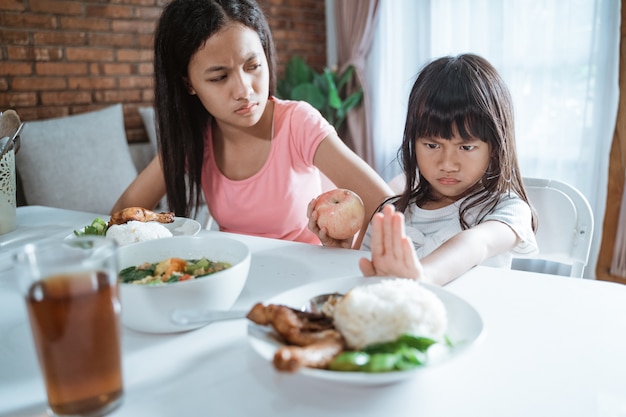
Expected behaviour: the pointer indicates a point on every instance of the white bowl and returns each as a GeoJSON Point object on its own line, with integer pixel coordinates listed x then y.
{"type": "Point", "coordinates": [147, 308]}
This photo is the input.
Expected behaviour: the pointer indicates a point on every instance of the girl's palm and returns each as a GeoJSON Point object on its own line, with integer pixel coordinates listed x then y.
{"type": "Point", "coordinates": [392, 250]}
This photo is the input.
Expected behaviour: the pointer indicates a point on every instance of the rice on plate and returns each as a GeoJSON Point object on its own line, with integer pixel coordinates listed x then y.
{"type": "Point", "coordinates": [383, 311]}
{"type": "Point", "coordinates": [136, 231]}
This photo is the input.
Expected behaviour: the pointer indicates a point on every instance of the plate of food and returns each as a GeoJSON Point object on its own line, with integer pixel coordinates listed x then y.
{"type": "Point", "coordinates": [136, 224]}
{"type": "Point", "coordinates": [378, 331]}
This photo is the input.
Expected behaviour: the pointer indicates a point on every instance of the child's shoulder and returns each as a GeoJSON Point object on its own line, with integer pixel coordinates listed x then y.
{"type": "Point", "coordinates": [511, 204]}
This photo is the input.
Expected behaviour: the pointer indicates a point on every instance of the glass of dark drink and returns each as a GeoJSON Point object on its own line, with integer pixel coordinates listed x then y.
{"type": "Point", "coordinates": [71, 293]}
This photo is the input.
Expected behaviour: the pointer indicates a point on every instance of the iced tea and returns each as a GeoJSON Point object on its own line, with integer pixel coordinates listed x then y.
{"type": "Point", "coordinates": [75, 324]}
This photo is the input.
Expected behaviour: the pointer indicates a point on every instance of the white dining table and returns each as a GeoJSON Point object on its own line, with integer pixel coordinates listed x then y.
{"type": "Point", "coordinates": [551, 346]}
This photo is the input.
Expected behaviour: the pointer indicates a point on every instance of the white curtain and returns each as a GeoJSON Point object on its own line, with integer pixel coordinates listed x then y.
{"type": "Point", "coordinates": [559, 58]}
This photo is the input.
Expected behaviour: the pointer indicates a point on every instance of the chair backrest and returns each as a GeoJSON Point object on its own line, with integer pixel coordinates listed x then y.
{"type": "Point", "coordinates": [565, 223]}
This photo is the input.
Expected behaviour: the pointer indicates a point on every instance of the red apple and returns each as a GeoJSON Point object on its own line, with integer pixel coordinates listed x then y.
{"type": "Point", "coordinates": [341, 212]}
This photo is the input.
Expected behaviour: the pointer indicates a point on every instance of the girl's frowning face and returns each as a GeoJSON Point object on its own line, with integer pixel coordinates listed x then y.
{"type": "Point", "coordinates": [230, 76]}
{"type": "Point", "coordinates": [451, 166]}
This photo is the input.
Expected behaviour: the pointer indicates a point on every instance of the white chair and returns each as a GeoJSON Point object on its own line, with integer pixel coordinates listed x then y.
{"type": "Point", "coordinates": [565, 228]}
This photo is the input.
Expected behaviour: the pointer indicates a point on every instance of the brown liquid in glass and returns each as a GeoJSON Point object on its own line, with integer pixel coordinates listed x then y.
{"type": "Point", "coordinates": [75, 325]}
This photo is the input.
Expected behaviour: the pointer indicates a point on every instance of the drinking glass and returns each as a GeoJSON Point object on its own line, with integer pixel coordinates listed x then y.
{"type": "Point", "coordinates": [71, 293]}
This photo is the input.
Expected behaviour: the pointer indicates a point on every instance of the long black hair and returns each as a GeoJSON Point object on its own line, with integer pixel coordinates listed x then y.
{"type": "Point", "coordinates": [463, 94]}
{"type": "Point", "coordinates": [181, 119]}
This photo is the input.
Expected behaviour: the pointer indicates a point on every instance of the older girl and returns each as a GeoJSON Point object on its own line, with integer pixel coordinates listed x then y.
{"type": "Point", "coordinates": [222, 133]}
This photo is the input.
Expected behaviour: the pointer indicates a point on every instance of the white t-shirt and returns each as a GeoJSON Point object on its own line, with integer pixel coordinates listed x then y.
{"type": "Point", "coordinates": [428, 229]}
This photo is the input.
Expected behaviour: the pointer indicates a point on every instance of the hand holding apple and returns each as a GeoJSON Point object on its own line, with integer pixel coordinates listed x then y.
{"type": "Point", "coordinates": [341, 212]}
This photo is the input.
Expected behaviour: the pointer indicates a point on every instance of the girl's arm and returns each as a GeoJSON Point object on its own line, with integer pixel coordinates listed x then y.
{"type": "Point", "coordinates": [347, 170]}
{"type": "Point", "coordinates": [393, 253]}
{"type": "Point", "coordinates": [146, 190]}
{"type": "Point", "coordinates": [467, 249]}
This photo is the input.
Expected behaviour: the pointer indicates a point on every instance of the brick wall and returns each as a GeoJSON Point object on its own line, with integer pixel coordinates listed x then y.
{"type": "Point", "coordinates": [63, 57]}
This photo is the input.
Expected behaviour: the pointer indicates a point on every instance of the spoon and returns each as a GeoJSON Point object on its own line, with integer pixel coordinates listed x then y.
{"type": "Point", "coordinates": [193, 316]}
{"type": "Point", "coordinates": [8, 143]}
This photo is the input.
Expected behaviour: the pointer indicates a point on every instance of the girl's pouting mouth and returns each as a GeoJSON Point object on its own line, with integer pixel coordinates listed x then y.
{"type": "Point", "coordinates": [246, 109]}
{"type": "Point", "coordinates": [448, 181]}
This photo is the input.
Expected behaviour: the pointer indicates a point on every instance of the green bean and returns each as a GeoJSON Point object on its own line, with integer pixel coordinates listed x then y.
{"type": "Point", "coordinates": [406, 352]}
{"type": "Point", "coordinates": [350, 362]}
{"type": "Point", "coordinates": [418, 342]}
{"type": "Point", "coordinates": [382, 362]}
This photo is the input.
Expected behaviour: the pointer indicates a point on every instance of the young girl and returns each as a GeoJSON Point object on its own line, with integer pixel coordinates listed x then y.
{"type": "Point", "coordinates": [464, 201]}
{"type": "Point", "coordinates": [256, 159]}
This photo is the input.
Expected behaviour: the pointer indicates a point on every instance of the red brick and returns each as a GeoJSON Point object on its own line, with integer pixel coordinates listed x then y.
{"type": "Point", "coordinates": [92, 83]}
{"type": "Point", "coordinates": [27, 21]}
{"type": "Point", "coordinates": [115, 96]}
{"type": "Point", "coordinates": [84, 108]}
{"type": "Point", "coordinates": [65, 97]}
{"type": "Point", "coordinates": [89, 54]}
{"type": "Point", "coordinates": [13, 100]}
{"type": "Point", "coordinates": [60, 68]}
{"type": "Point", "coordinates": [136, 134]}
{"type": "Point", "coordinates": [109, 11]}
{"type": "Point", "coordinates": [148, 96]}
{"type": "Point", "coordinates": [111, 39]}
{"type": "Point", "coordinates": [55, 7]}
{"type": "Point", "coordinates": [14, 5]}
{"type": "Point", "coordinates": [132, 26]}
{"type": "Point", "coordinates": [84, 23]}
{"type": "Point", "coordinates": [146, 3]}
{"type": "Point", "coordinates": [134, 55]}
{"type": "Point", "coordinates": [12, 37]}
{"type": "Point", "coordinates": [28, 53]}
{"type": "Point", "coordinates": [145, 41]}
{"type": "Point", "coordinates": [149, 13]}
{"type": "Point", "coordinates": [144, 68]}
{"type": "Point", "coordinates": [38, 83]}
{"type": "Point", "coordinates": [60, 38]}
{"type": "Point", "coordinates": [115, 69]}
{"type": "Point", "coordinates": [135, 82]}
{"type": "Point", "coordinates": [43, 112]}
{"type": "Point", "coordinates": [15, 68]}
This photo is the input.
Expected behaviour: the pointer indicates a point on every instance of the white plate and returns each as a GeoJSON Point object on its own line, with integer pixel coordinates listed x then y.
{"type": "Point", "coordinates": [464, 328]}
{"type": "Point", "coordinates": [181, 226]}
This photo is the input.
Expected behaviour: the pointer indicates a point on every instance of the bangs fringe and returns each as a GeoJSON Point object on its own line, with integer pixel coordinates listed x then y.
{"type": "Point", "coordinates": [468, 124]}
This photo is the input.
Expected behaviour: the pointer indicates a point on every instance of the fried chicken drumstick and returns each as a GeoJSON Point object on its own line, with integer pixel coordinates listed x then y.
{"type": "Point", "coordinates": [313, 340]}
{"type": "Point", "coordinates": [141, 215]}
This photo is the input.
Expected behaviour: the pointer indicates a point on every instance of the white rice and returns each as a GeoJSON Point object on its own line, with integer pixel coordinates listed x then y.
{"type": "Point", "coordinates": [134, 231]}
{"type": "Point", "coordinates": [381, 312]}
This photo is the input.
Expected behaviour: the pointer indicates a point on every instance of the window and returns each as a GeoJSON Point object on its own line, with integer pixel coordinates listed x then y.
{"type": "Point", "coordinates": [558, 57]}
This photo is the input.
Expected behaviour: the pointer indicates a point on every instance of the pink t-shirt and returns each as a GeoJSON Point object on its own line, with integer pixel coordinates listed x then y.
{"type": "Point", "coordinates": [273, 202]}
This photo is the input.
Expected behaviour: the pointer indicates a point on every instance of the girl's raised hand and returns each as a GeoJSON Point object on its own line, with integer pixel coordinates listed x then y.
{"type": "Point", "coordinates": [392, 251]}
{"type": "Point", "coordinates": [321, 233]}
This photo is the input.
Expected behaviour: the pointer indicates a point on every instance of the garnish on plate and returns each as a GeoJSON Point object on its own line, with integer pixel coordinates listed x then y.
{"type": "Point", "coordinates": [97, 227]}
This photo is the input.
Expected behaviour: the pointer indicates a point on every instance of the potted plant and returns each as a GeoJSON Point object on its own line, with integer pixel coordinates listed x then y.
{"type": "Point", "coordinates": [325, 91]}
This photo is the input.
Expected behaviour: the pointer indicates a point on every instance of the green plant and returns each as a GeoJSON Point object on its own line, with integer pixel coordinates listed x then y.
{"type": "Point", "coordinates": [325, 91]}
